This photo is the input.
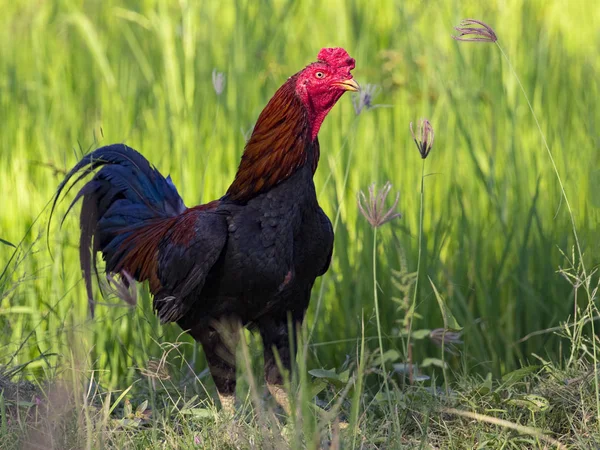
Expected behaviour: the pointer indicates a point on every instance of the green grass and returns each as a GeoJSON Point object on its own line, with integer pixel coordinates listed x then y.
{"type": "Point", "coordinates": [76, 75]}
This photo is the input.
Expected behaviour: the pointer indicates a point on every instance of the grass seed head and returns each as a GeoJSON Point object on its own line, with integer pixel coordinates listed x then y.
{"type": "Point", "coordinates": [472, 30]}
{"type": "Point", "coordinates": [424, 137]}
{"type": "Point", "coordinates": [156, 368]}
{"type": "Point", "coordinates": [218, 80]}
{"type": "Point", "coordinates": [373, 208]}
{"type": "Point", "coordinates": [364, 98]}
{"type": "Point", "coordinates": [123, 287]}
{"type": "Point", "coordinates": [446, 339]}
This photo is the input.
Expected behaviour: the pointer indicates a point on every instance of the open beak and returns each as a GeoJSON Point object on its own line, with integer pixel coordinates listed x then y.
{"type": "Point", "coordinates": [348, 85]}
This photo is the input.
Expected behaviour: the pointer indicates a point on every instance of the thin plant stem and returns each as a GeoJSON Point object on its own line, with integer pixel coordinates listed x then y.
{"type": "Point", "coordinates": [444, 371]}
{"type": "Point", "coordinates": [414, 302]}
{"type": "Point", "coordinates": [359, 384]}
{"type": "Point", "coordinates": [597, 387]}
{"type": "Point", "coordinates": [377, 320]}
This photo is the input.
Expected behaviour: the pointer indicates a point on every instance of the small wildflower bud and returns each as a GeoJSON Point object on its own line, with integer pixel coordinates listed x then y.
{"type": "Point", "coordinates": [218, 80]}
{"type": "Point", "coordinates": [364, 98]}
{"type": "Point", "coordinates": [449, 339]}
{"type": "Point", "coordinates": [124, 288]}
{"type": "Point", "coordinates": [424, 137]}
{"type": "Point", "coordinates": [156, 369]}
{"type": "Point", "coordinates": [373, 208]}
{"type": "Point", "coordinates": [247, 133]}
{"type": "Point", "coordinates": [472, 30]}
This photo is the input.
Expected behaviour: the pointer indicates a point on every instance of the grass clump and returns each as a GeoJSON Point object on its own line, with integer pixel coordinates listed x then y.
{"type": "Point", "coordinates": [539, 406]}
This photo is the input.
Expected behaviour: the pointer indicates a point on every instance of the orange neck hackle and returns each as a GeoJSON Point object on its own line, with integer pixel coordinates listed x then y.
{"type": "Point", "coordinates": [285, 136]}
{"type": "Point", "coordinates": [277, 147]}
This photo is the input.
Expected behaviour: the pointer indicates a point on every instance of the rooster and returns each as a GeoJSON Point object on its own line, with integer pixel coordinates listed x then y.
{"type": "Point", "coordinates": [249, 258]}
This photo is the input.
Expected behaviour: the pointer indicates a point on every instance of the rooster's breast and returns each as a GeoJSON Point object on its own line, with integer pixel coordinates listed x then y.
{"type": "Point", "coordinates": [277, 244]}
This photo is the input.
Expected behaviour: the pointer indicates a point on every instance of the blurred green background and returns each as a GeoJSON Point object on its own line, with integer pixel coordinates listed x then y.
{"type": "Point", "coordinates": [75, 75]}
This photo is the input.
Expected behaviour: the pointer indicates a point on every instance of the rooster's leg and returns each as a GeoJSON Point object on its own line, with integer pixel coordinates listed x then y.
{"type": "Point", "coordinates": [219, 341]}
{"type": "Point", "coordinates": [276, 340]}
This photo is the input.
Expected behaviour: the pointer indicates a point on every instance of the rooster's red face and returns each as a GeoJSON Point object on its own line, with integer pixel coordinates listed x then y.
{"type": "Point", "coordinates": [321, 84]}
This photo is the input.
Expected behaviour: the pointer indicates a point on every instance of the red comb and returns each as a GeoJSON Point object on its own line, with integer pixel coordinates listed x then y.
{"type": "Point", "coordinates": [336, 57]}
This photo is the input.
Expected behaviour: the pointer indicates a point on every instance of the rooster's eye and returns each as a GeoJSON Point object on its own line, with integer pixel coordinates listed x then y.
{"type": "Point", "coordinates": [319, 75]}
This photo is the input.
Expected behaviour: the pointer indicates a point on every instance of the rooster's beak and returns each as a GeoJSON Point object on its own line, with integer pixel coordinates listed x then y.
{"type": "Point", "coordinates": [348, 85]}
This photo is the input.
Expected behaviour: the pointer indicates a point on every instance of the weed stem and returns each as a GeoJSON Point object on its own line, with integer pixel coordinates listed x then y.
{"type": "Point", "coordinates": [411, 312]}
{"type": "Point", "coordinates": [376, 300]}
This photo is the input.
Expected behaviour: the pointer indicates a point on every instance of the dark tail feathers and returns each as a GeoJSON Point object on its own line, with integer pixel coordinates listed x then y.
{"type": "Point", "coordinates": [126, 196]}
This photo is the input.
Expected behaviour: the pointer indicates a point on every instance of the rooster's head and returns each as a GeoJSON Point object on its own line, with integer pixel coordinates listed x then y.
{"type": "Point", "coordinates": [321, 84]}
